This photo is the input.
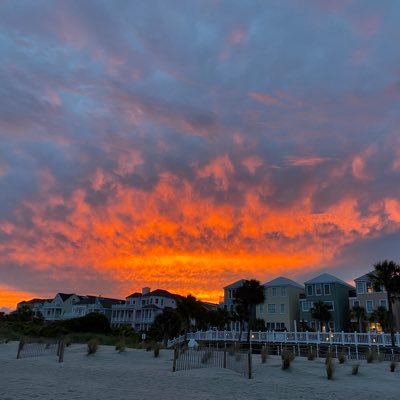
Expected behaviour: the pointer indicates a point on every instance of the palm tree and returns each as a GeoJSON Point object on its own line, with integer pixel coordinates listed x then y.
{"type": "Point", "coordinates": [387, 274]}
{"type": "Point", "coordinates": [359, 314]}
{"type": "Point", "coordinates": [382, 316]}
{"type": "Point", "coordinates": [320, 312]}
{"type": "Point", "coordinates": [247, 297]}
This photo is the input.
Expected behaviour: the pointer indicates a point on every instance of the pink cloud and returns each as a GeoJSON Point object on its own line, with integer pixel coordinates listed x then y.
{"type": "Point", "coordinates": [252, 163]}
{"type": "Point", "coordinates": [359, 164]}
{"type": "Point", "coordinates": [306, 161]}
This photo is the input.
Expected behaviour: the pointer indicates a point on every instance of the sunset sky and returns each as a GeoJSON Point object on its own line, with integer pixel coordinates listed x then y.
{"type": "Point", "coordinates": [185, 144]}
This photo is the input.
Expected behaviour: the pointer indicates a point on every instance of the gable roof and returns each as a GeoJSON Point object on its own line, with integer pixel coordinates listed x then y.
{"type": "Point", "coordinates": [236, 284]}
{"type": "Point", "coordinates": [327, 278]}
{"type": "Point", "coordinates": [163, 293]}
{"type": "Point", "coordinates": [282, 281]}
{"type": "Point", "coordinates": [136, 294]}
{"type": "Point", "coordinates": [364, 277]}
{"type": "Point", "coordinates": [65, 296]}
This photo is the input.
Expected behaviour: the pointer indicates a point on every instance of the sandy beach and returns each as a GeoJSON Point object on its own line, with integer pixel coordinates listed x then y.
{"type": "Point", "coordinates": [136, 374]}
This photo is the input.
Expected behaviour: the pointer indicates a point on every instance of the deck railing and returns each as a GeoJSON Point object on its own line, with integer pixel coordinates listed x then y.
{"type": "Point", "coordinates": [334, 338]}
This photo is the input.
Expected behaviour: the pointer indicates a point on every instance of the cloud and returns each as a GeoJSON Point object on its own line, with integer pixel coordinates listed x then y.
{"type": "Point", "coordinates": [150, 145]}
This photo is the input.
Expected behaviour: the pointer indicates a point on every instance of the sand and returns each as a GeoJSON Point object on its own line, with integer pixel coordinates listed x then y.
{"type": "Point", "coordinates": [136, 374]}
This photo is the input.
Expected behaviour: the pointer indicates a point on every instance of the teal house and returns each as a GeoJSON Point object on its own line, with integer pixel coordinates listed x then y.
{"type": "Point", "coordinates": [335, 294]}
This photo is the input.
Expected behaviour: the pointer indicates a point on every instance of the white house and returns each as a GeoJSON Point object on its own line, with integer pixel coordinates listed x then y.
{"type": "Point", "coordinates": [140, 309]}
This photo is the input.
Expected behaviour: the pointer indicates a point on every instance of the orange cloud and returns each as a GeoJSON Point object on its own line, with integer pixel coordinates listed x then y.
{"type": "Point", "coordinates": [9, 296]}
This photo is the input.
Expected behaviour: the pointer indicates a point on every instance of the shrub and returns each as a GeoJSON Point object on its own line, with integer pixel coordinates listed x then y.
{"type": "Point", "coordinates": [120, 346]}
{"type": "Point", "coordinates": [311, 354]}
{"type": "Point", "coordinates": [264, 354]}
{"type": "Point", "coordinates": [328, 357]}
{"type": "Point", "coordinates": [93, 346]}
{"type": "Point", "coordinates": [67, 341]}
{"type": "Point", "coordinates": [393, 366]}
{"type": "Point", "coordinates": [206, 356]}
{"type": "Point", "coordinates": [286, 359]}
{"type": "Point", "coordinates": [330, 368]}
{"type": "Point", "coordinates": [341, 357]}
{"type": "Point", "coordinates": [287, 353]}
{"type": "Point", "coordinates": [371, 356]}
{"type": "Point", "coordinates": [156, 350]}
{"type": "Point", "coordinates": [354, 370]}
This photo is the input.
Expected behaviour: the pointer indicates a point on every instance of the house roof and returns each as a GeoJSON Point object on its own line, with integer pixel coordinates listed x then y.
{"type": "Point", "coordinates": [33, 301]}
{"type": "Point", "coordinates": [136, 294]}
{"type": "Point", "coordinates": [162, 293]}
{"type": "Point", "coordinates": [236, 284]}
{"type": "Point", "coordinates": [364, 277]}
{"type": "Point", "coordinates": [282, 281]}
{"type": "Point", "coordinates": [327, 278]}
{"type": "Point", "coordinates": [65, 296]}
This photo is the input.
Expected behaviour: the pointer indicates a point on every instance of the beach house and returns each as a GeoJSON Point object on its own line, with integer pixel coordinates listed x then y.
{"type": "Point", "coordinates": [280, 310]}
{"type": "Point", "coordinates": [335, 294]}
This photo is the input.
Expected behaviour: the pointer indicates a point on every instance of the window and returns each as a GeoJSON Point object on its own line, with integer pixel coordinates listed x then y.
{"type": "Point", "coordinates": [306, 306]}
{"type": "Point", "coordinates": [330, 305]}
{"type": "Point", "coordinates": [309, 290]}
{"type": "Point", "coordinates": [327, 289]}
{"type": "Point", "coordinates": [261, 308]}
{"type": "Point", "coordinates": [369, 287]}
{"type": "Point", "coordinates": [151, 301]}
{"type": "Point", "coordinates": [283, 291]}
{"type": "Point", "coordinates": [318, 289]}
{"type": "Point", "coordinates": [331, 326]}
{"type": "Point", "coordinates": [383, 303]}
{"type": "Point", "coordinates": [360, 288]}
{"type": "Point", "coordinates": [282, 308]}
{"type": "Point", "coordinates": [274, 292]}
{"type": "Point", "coordinates": [271, 308]}
{"type": "Point", "coordinates": [143, 302]}
{"type": "Point", "coordinates": [356, 303]}
{"type": "Point", "coordinates": [369, 305]}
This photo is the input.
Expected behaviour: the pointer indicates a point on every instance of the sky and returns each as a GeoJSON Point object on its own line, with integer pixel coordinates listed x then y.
{"type": "Point", "coordinates": [185, 145]}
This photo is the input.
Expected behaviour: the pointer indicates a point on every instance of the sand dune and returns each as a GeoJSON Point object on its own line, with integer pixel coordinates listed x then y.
{"type": "Point", "coordinates": [136, 374]}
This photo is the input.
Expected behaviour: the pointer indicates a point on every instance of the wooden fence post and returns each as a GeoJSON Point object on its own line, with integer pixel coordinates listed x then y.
{"type": "Point", "coordinates": [175, 357]}
{"type": "Point", "coordinates": [20, 347]}
{"type": "Point", "coordinates": [249, 364]}
{"type": "Point", "coordinates": [225, 356]}
{"type": "Point", "coordinates": [61, 347]}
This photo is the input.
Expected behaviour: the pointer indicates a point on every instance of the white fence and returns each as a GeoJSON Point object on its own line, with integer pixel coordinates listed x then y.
{"type": "Point", "coordinates": [338, 338]}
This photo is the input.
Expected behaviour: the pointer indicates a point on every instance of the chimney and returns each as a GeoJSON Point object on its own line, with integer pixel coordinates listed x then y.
{"type": "Point", "coordinates": [145, 290]}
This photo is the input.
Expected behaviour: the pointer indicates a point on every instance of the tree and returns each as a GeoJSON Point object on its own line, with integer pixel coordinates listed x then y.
{"type": "Point", "coordinates": [217, 318]}
{"type": "Point", "coordinates": [166, 325]}
{"type": "Point", "coordinates": [247, 297]}
{"type": "Point", "coordinates": [189, 309]}
{"type": "Point", "coordinates": [382, 316]}
{"type": "Point", "coordinates": [359, 314]}
{"type": "Point", "coordinates": [320, 312]}
{"type": "Point", "coordinates": [387, 274]}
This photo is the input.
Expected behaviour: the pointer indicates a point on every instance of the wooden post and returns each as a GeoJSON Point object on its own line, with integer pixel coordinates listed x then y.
{"type": "Point", "coordinates": [61, 351]}
{"type": "Point", "coordinates": [20, 347]}
{"type": "Point", "coordinates": [175, 357]}
{"type": "Point", "coordinates": [249, 364]}
{"type": "Point", "coordinates": [225, 356]}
